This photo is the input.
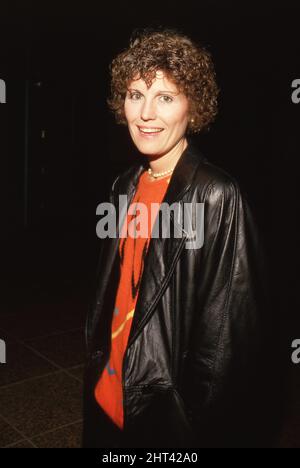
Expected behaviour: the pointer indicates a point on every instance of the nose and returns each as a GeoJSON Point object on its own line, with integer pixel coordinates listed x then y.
{"type": "Point", "coordinates": [148, 111]}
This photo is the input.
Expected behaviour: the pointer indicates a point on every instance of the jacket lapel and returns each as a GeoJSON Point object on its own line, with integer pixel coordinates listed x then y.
{"type": "Point", "coordinates": [163, 253]}
{"type": "Point", "coordinates": [128, 183]}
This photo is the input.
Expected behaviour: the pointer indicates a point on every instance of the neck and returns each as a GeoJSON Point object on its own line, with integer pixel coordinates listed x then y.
{"type": "Point", "coordinates": [169, 160]}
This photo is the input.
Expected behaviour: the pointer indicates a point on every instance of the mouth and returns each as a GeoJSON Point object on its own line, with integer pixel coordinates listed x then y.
{"type": "Point", "coordinates": [149, 131]}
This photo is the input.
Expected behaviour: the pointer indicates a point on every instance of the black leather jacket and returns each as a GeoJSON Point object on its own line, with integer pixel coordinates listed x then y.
{"type": "Point", "coordinates": [194, 365]}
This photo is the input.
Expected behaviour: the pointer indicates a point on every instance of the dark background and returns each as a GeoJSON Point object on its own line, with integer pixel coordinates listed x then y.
{"type": "Point", "coordinates": [60, 149]}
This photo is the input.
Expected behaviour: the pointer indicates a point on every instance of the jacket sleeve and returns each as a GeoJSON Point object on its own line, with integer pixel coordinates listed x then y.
{"type": "Point", "coordinates": [97, 283]}
{"type": "Point", "coordinates": [225, 369]}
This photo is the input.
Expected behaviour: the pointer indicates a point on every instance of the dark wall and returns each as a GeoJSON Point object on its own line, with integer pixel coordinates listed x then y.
{"type": "Point", "coordinates": [61, 148]}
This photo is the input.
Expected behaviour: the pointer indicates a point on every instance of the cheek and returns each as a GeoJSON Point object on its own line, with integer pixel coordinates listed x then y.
{"type": "Point", "coordinates": [129, 111]}
{"type": "Point", "coordinates": [177, 116]}
{"type": "Point", "coordinates": [184, 116]}
{"type": "Point", "coordinates": [179, 119]}
{"type": "Point", "coordinates": [126, 111]}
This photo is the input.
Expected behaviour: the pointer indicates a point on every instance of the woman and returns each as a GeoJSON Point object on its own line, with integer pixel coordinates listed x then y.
{"type": "Point", "coordinates": [175, 335]}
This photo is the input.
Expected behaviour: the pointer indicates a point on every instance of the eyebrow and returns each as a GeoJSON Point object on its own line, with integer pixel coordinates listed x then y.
{"type": "Point", "coordinates": [164, 91]}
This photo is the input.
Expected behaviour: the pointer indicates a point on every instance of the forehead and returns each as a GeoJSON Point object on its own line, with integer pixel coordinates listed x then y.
{"type": "Point", "coordinates": [160, 82]}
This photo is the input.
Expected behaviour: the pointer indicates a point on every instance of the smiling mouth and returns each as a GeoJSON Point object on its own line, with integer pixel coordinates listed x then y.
{"type": "Point", "coordinates": [150, 131]}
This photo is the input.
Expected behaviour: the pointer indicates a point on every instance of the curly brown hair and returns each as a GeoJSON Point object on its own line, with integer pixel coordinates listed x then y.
{"type": "Point", "coordinates": [187, 64]}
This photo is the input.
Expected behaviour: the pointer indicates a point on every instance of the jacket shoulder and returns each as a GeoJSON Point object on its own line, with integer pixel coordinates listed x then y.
{"type": "Point", "coordinates": [214, 181]}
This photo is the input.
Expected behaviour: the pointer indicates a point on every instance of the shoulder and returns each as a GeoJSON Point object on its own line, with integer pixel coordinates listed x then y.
{"type": "Point", "coordinates": [224, 198]}
{"type": "Point", "coordinates": [214, 184]}
{"type": "Point", "coordinates": [206, 177]}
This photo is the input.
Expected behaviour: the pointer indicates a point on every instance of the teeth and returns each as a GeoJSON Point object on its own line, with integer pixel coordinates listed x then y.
{"type": "Point", "coordinates": [150, 130]}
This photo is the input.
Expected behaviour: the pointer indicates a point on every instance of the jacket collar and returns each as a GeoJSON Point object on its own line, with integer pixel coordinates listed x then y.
{"type": "Point", "coordinates": [181, 179]}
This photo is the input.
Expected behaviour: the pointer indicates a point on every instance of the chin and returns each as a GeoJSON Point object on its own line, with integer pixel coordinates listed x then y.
{"type": "Point", "coordinates": [151, 154]}
{"type": "Point", "coordinates": [149, 148]}
{"type": "Point", "coordinates": [146, 149]}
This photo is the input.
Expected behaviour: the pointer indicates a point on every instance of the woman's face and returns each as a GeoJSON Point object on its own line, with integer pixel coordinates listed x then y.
{"type": "Point", "coordinates": [157, 117]}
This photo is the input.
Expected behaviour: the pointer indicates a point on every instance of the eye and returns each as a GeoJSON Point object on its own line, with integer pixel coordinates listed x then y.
{"type": "Point", "coordinates": [134, 96]}
{"type": "Point", "coordinates": [166, 98]}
